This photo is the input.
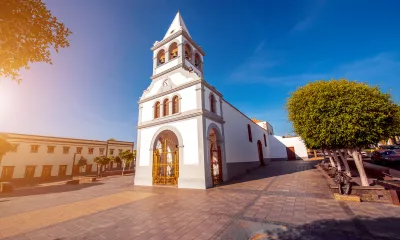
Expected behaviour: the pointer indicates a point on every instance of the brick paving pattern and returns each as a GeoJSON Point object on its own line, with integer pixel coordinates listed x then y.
{"type": "Point", "coordinates": [284, 200]}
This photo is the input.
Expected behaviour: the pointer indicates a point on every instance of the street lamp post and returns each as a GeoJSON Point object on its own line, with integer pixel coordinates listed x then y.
{"type": "Point", "coordinates": [73, 164]}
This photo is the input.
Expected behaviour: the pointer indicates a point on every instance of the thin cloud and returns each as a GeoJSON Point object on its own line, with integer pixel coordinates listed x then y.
{"type": "Point", "coordinates": [303, 25]}
{"type": "Point", "coordinates": [311, 17]}
{"type": "Point", "coordinates": [257, 65]}
{"type": "Point", "coordinates": [382, 69]}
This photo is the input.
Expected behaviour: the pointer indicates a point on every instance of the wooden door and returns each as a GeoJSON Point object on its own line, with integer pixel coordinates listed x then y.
{"type": "Point", "coordinates": [76, 169]}
{"type": "Point", "coordinates": [7, 173]}
{"type": "Point", "coordinates": [260, 153]}
{"type": "Point", "coordinates": [46, 172]}
{"type": "Point", "coordinates": [291, 154]}
{"type": "Point", "coordinates": [216, 164]}
{"type": "Point", "coordinates": [62, 170]}
{"type": "Point", "coordinates": [30, 171]}
{"type": "Point", "coordinates": [89, 168]}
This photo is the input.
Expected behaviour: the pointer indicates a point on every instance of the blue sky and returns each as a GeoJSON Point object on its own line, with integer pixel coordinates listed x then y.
{"type": "Point", "coordinates": [257, 53]}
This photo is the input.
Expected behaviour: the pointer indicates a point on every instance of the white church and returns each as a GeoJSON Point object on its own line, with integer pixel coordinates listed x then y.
{"type": "Point", "coordinates": [189, 136]}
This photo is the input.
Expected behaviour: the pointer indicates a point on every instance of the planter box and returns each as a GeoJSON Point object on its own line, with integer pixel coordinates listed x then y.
{"type": "Point", "coordinates": [6, 187]}
{"type": "Point", "coordinates": [368, 194]}
{"type": "Point", "coordinates": [72, 182]}
{"type": "Point", "coordinates": [85, 179]}
{"type": "Point", "coordinates": [378, 194]}
{"type": "Point", "coordinates": [116, 172]}
{"type": "Point", "coordinates": [348, 198]}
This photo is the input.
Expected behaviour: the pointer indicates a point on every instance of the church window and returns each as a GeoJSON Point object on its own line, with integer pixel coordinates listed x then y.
{"type": "Point", "coordinates": [265, 140]}
{"type": "Point", "coordinates": [188, 52]}
{"type": "Point", "coordinates": [249, 132]}
{"type": "Point", "coordinates": [197, 61]}
{"type": "Point", "coordinates": [157, 110]}
{"type": "Point", "coordinates": [161, 57]}
{"type": "Point", "coordinates": [165, 107]}
{"type": "Point", "coordinates": [175, 104]}
{"type": "Point", "coordinates": [212, 103]}
{"type": "Point", "coordinates": [173, 51]}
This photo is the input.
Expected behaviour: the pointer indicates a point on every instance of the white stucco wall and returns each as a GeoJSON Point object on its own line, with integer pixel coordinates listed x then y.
{"type": "Point", "coordinates": [188, 131]}
{"type": "Point", "coordinates": [237, 145]}
{"type": "Point", "coordinates": [298, 144]}
{"type": "Point", "coordinates": [278, 144]}
{"type": "Point", "coordinates": [188, 102]}
{"type": "Point", "coordinates": [276, 149]}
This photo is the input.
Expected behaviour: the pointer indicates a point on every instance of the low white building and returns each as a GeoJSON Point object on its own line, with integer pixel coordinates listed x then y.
{"type": "Point", "coordinates": [47, 158]}
{"type": "Point", "coordinates": [188, 134]}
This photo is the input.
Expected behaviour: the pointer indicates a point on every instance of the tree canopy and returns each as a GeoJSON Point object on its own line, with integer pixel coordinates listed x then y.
{"type": "Point", "coordinates": [341, 114]}
{"type": "Point", "coordinates": [28, 32]}
{"type": "Point", "coordinates": [126, 156]}
{"type": "Point", "coordinates": [101, 160]}
{"type": "Point", "coordinates": [82, 161]}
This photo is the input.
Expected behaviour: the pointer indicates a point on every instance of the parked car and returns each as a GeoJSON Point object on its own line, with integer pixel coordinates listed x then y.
{"type": "Point", "coordinates": [390, 147]}
{"type": "Point", "coordinates": [385, 157]}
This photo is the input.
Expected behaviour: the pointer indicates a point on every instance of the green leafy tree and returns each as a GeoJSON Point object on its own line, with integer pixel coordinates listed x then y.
{"type": "Point", "coordinates": [127, 157]}
{"type": "Point", "coordinates": [82, 162]}
{"type": "Point", "coordinates": [5, 147]}
{"type": "Point", "coordinates": [341, 117]}
{"type": "Point", "coordinates": [28, 32]}
{"type": "Point", "coordinates": [395, 127]}
{"type": "Point", "coordinates": [101, 161]}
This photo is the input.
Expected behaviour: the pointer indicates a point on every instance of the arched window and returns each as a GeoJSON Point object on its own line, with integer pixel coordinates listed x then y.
{"type": "Point", "coordinates": [157, 110]}
{"type": "Point", "coordinates": [249, 132]}
{"type": "Point", "coordinates": [212, 103]}
{"type": "Point", "coordinates": [165, 107]}
{"type": "Point", "coordinates": [188, 52]}
{"type": "Point", "coordinates": [173, 51]}
{"type": "Point", "coordinates": [161, 57]}
{"type": "Point", "coordinates": [175, 104]}
{"type": "Point", "coordinates": [265, 140]}
{"type": "Point", "coordinates": [197, 61]}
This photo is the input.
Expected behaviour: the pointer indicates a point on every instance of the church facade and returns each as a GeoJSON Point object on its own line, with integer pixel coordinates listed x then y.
{"type": "Point", "coordinates": [188, 134]}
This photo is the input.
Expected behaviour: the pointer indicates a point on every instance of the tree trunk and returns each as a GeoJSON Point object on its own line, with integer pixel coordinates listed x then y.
{"type": "Point", "coordinates": [331, 159]}
{"type": "Point", "coordinates": [123, 168]}
{"type": "Point", "coordinates": [343, 156]}
{"type": "Point", "coordinates": [335, 157]}
{"type": "Point", "coordinates": [315, 153]}
{"type": "Point", "coordinates": [360, 167]}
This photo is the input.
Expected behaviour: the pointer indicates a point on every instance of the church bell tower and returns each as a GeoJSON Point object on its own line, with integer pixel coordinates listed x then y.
{"type": "Point", "coordinates": [177, 50]}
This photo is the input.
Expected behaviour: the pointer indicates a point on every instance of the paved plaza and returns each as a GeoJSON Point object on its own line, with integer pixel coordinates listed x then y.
{"type": "Point", "coordinates": [283, 200]}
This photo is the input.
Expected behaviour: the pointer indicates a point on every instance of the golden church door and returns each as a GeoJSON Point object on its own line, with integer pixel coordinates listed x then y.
{"type": "Point", "coordinates": [166, 163]}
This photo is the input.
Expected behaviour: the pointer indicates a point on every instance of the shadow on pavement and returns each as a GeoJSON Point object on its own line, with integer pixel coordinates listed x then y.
{"type": "Point", "coordinates": [367, 228]}
{"type": "Point", "coordinates": [273, 169]}
{"type": "Point", "coordinates": [48, 190]}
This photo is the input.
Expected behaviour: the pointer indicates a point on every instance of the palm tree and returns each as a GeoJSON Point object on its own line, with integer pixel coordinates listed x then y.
{"type": "Point", "coordinates": [127, 157]}
{"type": "Point", "coordinates": [101, 161]}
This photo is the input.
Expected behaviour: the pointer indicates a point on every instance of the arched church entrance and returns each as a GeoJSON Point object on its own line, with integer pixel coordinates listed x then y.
{"type": "Point", "coordinates": [166, 159]}
{"type": "Point", "coordinates": [260, 153]}
{"type": "Point", "coordinates": [215, 157]}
